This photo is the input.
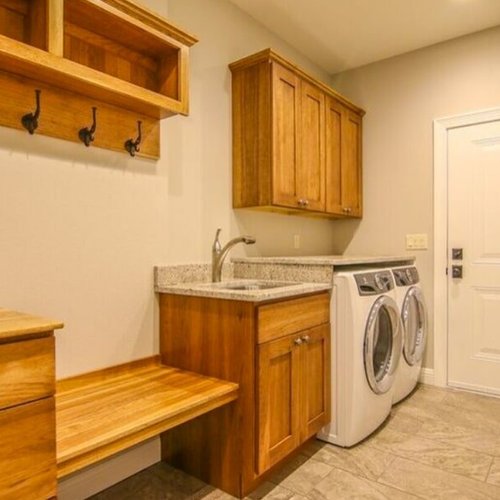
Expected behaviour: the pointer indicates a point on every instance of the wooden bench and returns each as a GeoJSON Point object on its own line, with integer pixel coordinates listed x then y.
{"type": "Point", "coordinates": [102, 413]}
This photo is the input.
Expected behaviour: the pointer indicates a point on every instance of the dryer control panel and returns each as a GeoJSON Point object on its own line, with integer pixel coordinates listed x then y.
{"type": "Point", "coordinates": [374, 283]}
{"type": "Point", "coordinates": [406, 276]}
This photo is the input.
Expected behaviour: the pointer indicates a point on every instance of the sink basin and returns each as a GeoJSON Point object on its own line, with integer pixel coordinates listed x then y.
{"type": "Point", "coordinates": [255, 285]}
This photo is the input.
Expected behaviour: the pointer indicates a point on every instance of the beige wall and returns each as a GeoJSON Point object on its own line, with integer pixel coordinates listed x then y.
{"type": "Point", "coordinates": [81, 229]}
{"type": "Point", "coordinates": [402, 96]}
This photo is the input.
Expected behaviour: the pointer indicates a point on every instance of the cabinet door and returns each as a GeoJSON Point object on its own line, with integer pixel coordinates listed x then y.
{"type": "Point", "coordinates": [286, 88]}
{"type": "Point", "coordinates": [315, 380]}
{"type": "Point", "coordinates": [311, 167]}
{"type": "Point", "coordinates": [333, 156]}
{"type": "Point", "coordinates": [351, 163]}
{"type": "Point", "coordinates": [278, 419]}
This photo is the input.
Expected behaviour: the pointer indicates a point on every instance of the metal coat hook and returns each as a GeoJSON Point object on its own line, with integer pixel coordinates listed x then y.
{"type": "Point", "coordinates": [30, 120]}
{"type": "Point", "coordinates": [86, 134]}
{"type": "Point", "coordinates": [132, 146]}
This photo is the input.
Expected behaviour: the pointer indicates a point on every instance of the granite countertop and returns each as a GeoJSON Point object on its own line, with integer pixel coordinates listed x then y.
{"type": "Point", "coordinates": [227, 290]}
{"type": "Point", "coordinates": [15, 325]}
{"type": "Point", "coordinates": [326, 260]}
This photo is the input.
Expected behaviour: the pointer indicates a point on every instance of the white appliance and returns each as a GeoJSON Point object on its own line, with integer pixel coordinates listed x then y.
{"type": "Point", "coordinates": [366, 347]}
{"type": "Point", "coordinates": [411, 303]}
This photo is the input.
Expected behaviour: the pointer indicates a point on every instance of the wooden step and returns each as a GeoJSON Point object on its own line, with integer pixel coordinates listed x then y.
{"type": "Point", "coordinates": [105, 412]}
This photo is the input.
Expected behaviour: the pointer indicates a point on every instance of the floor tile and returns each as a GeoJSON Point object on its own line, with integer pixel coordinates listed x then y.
{"type": "Point", "coordinates": [362, 460]}
{"type": "Point", "coordinates": [339, 485]}
{"type": "Point", "coordinates": [303, 479]}
{"type": "Point", "coordinates": [431, 483]}
{"type": "Point", "coordinates": [433, 452]}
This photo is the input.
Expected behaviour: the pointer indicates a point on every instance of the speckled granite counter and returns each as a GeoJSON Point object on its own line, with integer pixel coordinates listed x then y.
{"type": "Point", "coordinates": [317, 269]}
{"type": "Point", "coordinates": [194, 279]}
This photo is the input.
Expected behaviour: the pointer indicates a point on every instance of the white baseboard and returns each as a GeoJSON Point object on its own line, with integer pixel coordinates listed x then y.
{"type": "Point", "coordinates": [98, 477]}
{"type": "Point", "coordinates": [427, 376]}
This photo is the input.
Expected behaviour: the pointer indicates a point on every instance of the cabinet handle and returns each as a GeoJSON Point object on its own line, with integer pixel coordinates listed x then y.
{"type": "Point", "coordinates": [306, 202]}
{"type": "Point", "coordinates": [306, 339]}
{"type": "Point", "coordinates": [298, 341]}
{"type": "Point", "coordinates": [300, 202]}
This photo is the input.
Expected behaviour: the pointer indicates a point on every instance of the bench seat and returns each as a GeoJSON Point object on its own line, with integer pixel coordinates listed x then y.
{"type": "Point", "coordinates": [102, 413]}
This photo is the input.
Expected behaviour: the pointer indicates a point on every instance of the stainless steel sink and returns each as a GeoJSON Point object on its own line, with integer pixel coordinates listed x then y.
{"type": "Point", "coordinates": [256, 285]}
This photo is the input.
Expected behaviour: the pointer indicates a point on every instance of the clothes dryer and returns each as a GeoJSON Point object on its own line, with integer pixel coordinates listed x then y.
{"type": "Point", "coordinates": [411, 303]}
{"type": "Point", "coordinates": [366, 347]}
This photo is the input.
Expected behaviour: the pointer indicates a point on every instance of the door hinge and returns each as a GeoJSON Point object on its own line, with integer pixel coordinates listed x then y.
{"type": "Point", "coordinates": [446, 271]}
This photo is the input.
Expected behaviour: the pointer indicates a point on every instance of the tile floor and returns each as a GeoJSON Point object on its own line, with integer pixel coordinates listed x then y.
{"type": "Point", "coordinates": [437, 444]}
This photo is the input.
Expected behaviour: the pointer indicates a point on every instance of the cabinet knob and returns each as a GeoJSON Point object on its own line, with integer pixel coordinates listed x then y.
{"type": "Point", "coordinates": [347, 210]}
{"type": "Point", "coordinates": [300, 202]}
{"type": "Point", "coordinates": [298, 341]}
{"type": "Point", "coordinates": [306, 339]}
{"type": "Point", "coordinates": [306, 202]}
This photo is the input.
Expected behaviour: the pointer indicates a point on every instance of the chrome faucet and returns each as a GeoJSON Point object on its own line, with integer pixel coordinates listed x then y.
{"type": "Point", "coordinates": [219, 253]}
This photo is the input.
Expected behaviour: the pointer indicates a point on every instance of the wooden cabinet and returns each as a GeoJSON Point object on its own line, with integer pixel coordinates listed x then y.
{"type": "Point", "coordinates": [27, 409]}
{"type": "Point", "coordinates": [278, 353]}
{"type": "Point", "coordinates": [293, 392]}
{"type": "Point", "coordinates": [129, 63]}
{"type": "Point", "coordinates": [296, 142]}
{"type": "Point", "coordinates": [343, 160]}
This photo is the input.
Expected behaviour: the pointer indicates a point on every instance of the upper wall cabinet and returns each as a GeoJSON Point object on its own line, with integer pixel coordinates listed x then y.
{"type": "Point", "coordinates": [110, 54]}
{"type": "Point", "coordinates": [296, 142]}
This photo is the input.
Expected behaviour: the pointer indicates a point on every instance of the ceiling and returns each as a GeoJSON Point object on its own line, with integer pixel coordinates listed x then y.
{"type": "Point", "coordinates": [342, 34]}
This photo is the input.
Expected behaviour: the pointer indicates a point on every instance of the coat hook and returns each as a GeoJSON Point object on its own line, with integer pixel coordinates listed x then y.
{"type": "Point", "coordinates": [86, 134]}
{"type": "Point", "coordinates": [132, 146]}
{"type": "Point", "coordinates": [30, 120]}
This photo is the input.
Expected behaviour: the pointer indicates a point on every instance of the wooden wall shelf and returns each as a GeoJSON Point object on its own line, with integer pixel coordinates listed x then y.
{"type": "Point", "coordinates": [110, 52]}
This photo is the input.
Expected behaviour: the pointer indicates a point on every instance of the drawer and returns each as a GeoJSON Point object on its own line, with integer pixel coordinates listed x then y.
{"type": "Point", "coordinates": [27, 451]}
{"type": "Point", "coordinates": [26, 371]}
{"type": "Point", "coordinates": [291, 316]}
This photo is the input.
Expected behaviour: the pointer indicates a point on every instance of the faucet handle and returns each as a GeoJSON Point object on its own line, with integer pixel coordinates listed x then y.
{"type": "Point", "coordinates": [216, 245]}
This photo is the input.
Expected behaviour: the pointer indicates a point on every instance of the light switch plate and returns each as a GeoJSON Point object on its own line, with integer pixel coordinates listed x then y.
{"type": "Point", "coordinates": [416, 241]}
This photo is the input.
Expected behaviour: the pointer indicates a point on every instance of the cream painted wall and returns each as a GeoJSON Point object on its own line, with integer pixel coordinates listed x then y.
{"type": "Point", "coordinates": [81, 229]}
{"type": "Point", "coordinates": [402, 96]}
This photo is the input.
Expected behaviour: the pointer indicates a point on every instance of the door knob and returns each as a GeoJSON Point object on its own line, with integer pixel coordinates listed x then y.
{"type": "Point", "coordinates": [457, 272]}
{"type": "Point", "coordinates": [457, 253]}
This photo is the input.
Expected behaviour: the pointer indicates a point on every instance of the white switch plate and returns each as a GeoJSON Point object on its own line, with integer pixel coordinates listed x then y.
{"type": "Point", "coordinates": [416, 241]}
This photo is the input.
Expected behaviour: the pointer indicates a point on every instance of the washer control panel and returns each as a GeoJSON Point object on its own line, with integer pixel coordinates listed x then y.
{"type": "Point", "coordinates": [406, 276]}
{"type": "Point", "coordinates": [374, 283]}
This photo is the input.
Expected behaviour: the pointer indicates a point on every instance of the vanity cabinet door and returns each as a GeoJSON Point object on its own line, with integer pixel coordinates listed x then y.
{"type": "Point", "coordinates": [278, 402]}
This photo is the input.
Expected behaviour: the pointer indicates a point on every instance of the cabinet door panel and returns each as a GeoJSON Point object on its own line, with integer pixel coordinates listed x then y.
{"type": "Point", "coordinates": [311, 168]}
{"type": "Point", "coordinates": [351, 163]}
{"type": "Point", "coordinates": [333, 128]}
{"type": "Point", "coordinates": [278, 401]}
{"type": "Point", "coordinates": [285, 120]}
{"type": "Point", "coordinates": [315, 378]}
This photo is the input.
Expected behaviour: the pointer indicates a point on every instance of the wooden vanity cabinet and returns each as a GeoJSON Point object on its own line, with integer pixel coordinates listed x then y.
{"type": "Point", "coordinates": [295, 146]}
{"type": "Point", "coordinates": [278, 353]}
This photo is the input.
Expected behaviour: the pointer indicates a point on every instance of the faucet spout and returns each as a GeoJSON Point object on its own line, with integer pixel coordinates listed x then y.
{"type": "Point", "coordinates": [219, 253]}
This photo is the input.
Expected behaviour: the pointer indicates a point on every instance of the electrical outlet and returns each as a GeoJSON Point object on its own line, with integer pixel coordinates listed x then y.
{"type": "Point", "coordinates": [416, 241]}
{"type": "Point", "coordinates": [296, 241]}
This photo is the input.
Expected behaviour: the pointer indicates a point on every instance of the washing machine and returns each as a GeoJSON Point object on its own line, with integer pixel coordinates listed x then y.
{"type": "Point", "coordinates": [411, 303]}
{"type": "Point", "coordinates": [366, 347]}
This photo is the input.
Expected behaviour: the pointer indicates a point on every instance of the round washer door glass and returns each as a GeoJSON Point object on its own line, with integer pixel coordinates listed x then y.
{"type": "Point", "coordinates": [414, 317]}
{"type": "Point", "coordinates": [383, 343]}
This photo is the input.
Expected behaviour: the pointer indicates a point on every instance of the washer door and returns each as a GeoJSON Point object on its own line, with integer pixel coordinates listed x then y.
{"type": "Point", "coordinates": [414, 318]}
{"type": "Point", "coordinates": [383, 344]}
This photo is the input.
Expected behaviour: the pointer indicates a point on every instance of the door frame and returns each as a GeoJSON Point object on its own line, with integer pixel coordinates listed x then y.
{"type": "Point", "coordinates": [441, 128]}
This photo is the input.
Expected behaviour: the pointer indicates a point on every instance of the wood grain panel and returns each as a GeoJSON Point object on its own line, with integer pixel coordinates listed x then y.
{"type": "Point", "coordinates": [252, 167]}
{"type": "Point", "coordinates": [64, 114]}
{"type": "Point", "coordinates": [97, 420]}
{"type": "Point", "coordinates": [13, 18]}
{"type": "Point", "coordinates": [289, 316]}
{"type": "Point", "coordinates": [311, 165]}
{"type": "Point", "coordinates": [27, 451]}
{"type": "Point", "coordinates": [26, 371]}
{"type": "Point", "coordinates": [333, 151]}
{"type": "Point", "coordinates": [278, 400]}
{"type": "Point", "coordinates": [217, 338]}
{"type": "Point", "coordinates": [286, 99]}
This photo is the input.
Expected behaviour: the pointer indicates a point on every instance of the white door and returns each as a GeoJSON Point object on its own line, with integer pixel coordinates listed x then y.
{"type": "Point", "coordinates": [474, 226]}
